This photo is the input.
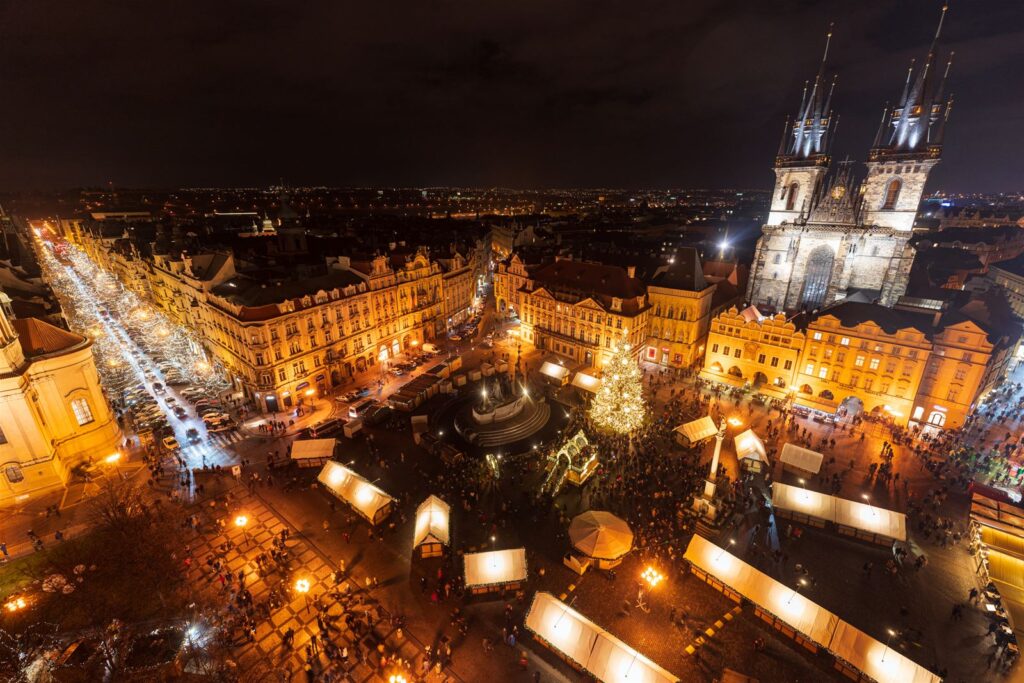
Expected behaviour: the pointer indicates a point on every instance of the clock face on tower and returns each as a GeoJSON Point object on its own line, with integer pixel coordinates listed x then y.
{"type": "Point", "coordinates": [838, 191]}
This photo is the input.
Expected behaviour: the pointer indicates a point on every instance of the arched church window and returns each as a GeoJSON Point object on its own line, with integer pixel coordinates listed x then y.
{"type": "Point", "coordinates": [892, 194]}
{"type": "Point", "coordinates": [791, 196]}
{"type": "Point", "coordinates": [777, 259]}
{"type": "Point", "coordinates": [817, 276]}
{"type": "Point", "coordinates": [83, 414]}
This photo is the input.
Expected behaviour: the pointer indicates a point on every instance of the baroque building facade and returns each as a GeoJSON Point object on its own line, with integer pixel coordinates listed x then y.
{"type": "Point", "coordinates": [831, 234]}
{"type": "Point", "coordinates": [53, 413]}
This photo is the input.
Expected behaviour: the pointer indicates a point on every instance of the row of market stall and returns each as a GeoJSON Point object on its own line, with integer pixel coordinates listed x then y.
{"type": "Point", "coordinates": [997, 529]}
{"type": "Point", "coordinates": [855, 653]}
{"type": "Point", "coordinates": [849, 517]}
{"type": "Point", "coordinates": [558, 374]}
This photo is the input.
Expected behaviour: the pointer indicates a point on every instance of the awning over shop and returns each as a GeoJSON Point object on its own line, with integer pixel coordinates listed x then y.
{"type": "Point", "coordinates": [869, 519]}
{"type": "Point", "coordinates": [312, 449]}
{"type": "Point", "coordinates": [593, 649]}
{"type": "Point", "coordinates": [749, 445]}
{"type": "Point", "coordinates": [365, 498]}
{"type": "Point", "coordinates": [495, 567]}
{"type": "Point", "coordinates": [801, 458]}
{"type": "Point", "coordinates": [870, 656]}
{"type": "Point", "coordinates": [698, 430]}
{"type": "Point", "coordinates": [432, 519]}
{"type": "Point", "coordinates": [554, 370]}
{"type": "Point", "coordinates": [586, 382]}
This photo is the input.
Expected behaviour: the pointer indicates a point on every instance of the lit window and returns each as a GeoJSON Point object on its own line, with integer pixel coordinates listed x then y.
{"type": "Point", "coordinates": [823, 372]}
{"type": "Point", "coordinates": [817, 336]}
{"type": "Point", "coordinates": [845, 341]}
{"type": "Point", "coordinates": [82, 412]}
{"type": "Point", "coordinates": [859, 362]}
{"type": "Point", "coordinates": [809, 369]}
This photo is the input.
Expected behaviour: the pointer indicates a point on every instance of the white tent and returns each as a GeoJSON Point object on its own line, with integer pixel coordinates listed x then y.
{"type": "Point", "coordinates": [432, 519]}
{"type": "Point", "coordinates": [586, 382]}
{"type": "Point", "coordinates": [554, 371]}
{"type": "Point", "coordinates": [311, 452]}
{"type": "Point", "coordinates": [859, 519]}
{"type": "Point", "coordinates": [803, 501]}
{"type": "Point", "coordinates": [876, 659]}
{"type": "Point", "coordinates": [589, 646]}
{"type": "Point", "coordinates": [749, 445]}
{"type": "Point", "coordinates": [871, 519]}
{"type": "Point", "coordinates": [698, 430]}
{"type": "Point", "coordinates": [365, 498]}
{"type": "Point", "coordinates": [801, 459]}
{"type": "Point", "coordinates": [862, 652]}
{"type": "Point", "coordinates": [782, 600]}
{"type": "Point", "coordinates": [495, 568]}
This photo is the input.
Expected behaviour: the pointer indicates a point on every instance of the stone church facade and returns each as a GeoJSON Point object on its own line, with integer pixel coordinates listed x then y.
{"type": "Point", "coordinates": [832, 234]}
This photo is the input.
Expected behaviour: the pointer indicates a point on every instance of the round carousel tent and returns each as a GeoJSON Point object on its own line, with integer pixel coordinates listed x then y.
{"type": "Point", "coordinates": [600, 535]}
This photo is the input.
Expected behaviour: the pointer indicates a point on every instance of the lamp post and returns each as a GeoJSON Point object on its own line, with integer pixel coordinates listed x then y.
{"type": "Point", "coordinates": [732, 541]}
{"type": "Point", "coordinates": [242, 521]}
{"type": "Point", "coordinates": [888, 641]}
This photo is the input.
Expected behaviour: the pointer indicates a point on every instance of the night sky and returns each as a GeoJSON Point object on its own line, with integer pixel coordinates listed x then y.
{"type": "Point", "coordinates": [567, 93]}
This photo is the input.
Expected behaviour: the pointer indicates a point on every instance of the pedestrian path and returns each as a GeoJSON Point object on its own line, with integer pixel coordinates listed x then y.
{"type": "Point", "coordinates": [227, 438]}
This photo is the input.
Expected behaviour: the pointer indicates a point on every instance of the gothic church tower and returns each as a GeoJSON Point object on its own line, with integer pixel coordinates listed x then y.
{"type": "Point", "coordinates": [830, 236]}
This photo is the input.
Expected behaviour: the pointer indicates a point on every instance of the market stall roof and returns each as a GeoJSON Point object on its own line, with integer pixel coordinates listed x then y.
{"type": "Point", "coordinates": [595, 650]}
{"type": "Point", "coordinates": [987, 511]}
{"type": "Point", "coordinates": [783, 601]}
{"type": "Point", "coordinates": [354, 489]}
{"type": "Point", "coordinates": [600, 535]}
{"type": "Point", "coordinates": [850, 513]}
{"type": "Point", "coordinates": [554, 370]}
{"type": "Point", "coordinates": [586, 382]}
{"type": "Point", "coordinates": [871, 518]}
{"type": "Point", "coordinates": [495, 566]}
{"type": "Point", "coordinates": [876, 659]}
{"type": "Point", "coordinates": [699, 429]}
{"type": "Point", "coordinates": [810, 619]}
{"type": "Point", "coordinates": [749, 445]}
{"type": "Point", "coordinates": [802, 458]}
{"type": "Point", "coordinates": [309, 449]}
{"type": "Point", "coordinates": [432, 520]}
{"type": "Point", "coordinates": [804, 501]}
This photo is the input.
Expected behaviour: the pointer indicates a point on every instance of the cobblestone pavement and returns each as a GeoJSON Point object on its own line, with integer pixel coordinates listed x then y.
{"type": "Point", "coordinates": [237, 548]}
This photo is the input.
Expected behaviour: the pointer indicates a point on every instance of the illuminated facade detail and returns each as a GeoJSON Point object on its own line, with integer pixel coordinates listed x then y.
{"type": "Point", "coordinates": [53, 414]}
{"type": "Point", "coordinates": [866, 225]}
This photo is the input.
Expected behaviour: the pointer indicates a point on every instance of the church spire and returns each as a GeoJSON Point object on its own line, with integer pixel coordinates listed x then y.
{"type": "Point", "coordinates": [810, 127]}
{"type": "Point", "coordinates": [916, 120]}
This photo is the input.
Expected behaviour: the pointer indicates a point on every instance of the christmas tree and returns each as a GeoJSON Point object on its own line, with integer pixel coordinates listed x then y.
{"type": "Point", "coordinates": [619, 405]}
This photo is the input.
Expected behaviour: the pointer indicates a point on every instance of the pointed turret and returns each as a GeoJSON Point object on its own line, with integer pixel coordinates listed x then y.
{"type": "Point", "coordinates": [810, 128]}
{"type": "Point", "coordinates": [917, 116]}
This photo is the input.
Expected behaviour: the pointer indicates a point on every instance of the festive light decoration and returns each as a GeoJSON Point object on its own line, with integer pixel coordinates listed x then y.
{"type": "Point", "coordinates": [619, 405]}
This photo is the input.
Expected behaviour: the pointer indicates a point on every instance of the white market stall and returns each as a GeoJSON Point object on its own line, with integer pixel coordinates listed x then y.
{"type": "Point", "coordinates": [856, 654]}
{"type": "Point", "coordinates": [554, 371]}
{"type": "Point", "coordinates": [495, 570]}
{"type": "Point", "coordinates": [312, 452]}
{"type": "Point", "coordinates": [589, 383]}
{"type": "Point", "coordinates": [587, 646]}
{"type": "Point", "coordinates": [366, 499]}
{"type": "Point", "coordinates": [851, 518]}
{"type": "Point", "coordinates": [870, 522]}
{"type": "Point", "coordinates": [694, 432]}
{"type": "Point", "coordinates": [431, 533]}
{"type": "Point", "coordinates": [750, 451]}
{"type": "Point", "coordinates": [801, 461]}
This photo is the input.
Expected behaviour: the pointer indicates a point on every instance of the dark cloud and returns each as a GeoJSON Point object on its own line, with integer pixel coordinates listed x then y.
{"type": "Point", "coordinates": [578, 92]}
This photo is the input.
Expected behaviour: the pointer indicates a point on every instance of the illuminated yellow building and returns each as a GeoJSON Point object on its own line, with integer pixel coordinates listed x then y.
{"type": "Point", "coordinates": [680, 300]}
{"type": "Point", "coordinates": [53, 414]}
{"type": "Point", "coordinates": [578, 309]}
{"type": "Point", "coordinates": [743, 346]}
{"type": "Point", "coordinates": [908, 366]}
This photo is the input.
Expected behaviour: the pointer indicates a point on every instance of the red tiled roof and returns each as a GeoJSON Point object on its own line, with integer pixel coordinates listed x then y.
{"type": "Point", "coordinates": [40, 338]}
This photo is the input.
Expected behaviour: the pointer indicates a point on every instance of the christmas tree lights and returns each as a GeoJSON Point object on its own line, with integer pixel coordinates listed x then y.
{"type": "Point", "coordinates": [619, 405]}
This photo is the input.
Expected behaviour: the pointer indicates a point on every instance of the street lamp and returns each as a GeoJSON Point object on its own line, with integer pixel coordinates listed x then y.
{"type": "Point", "coordinates": [302, 586]}
{"type": "Point", "coordinates": [15, 604]}
{"type": "Point", "coordinates": [732, 542]}
{"type": "Point", "coordinates": [802, 583]}
{"type": "Point", "coordinates": [888, 641]}
{"type": "Point", "coordinates": [652, 576]}
{"type": "Point", "coordinates": [867, 499]}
